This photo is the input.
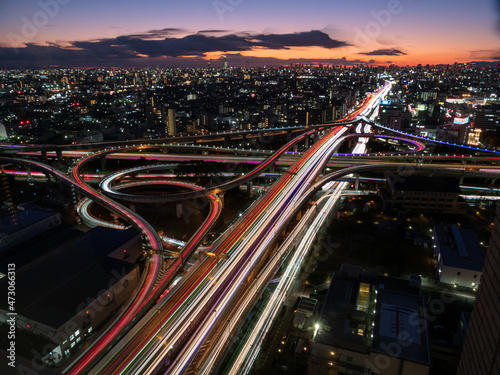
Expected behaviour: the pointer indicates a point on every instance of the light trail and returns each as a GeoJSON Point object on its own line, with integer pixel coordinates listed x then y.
{"type": "Point", "coordinates": [248, 353]}
{"type": "Point", "coordinates": [310, 168]}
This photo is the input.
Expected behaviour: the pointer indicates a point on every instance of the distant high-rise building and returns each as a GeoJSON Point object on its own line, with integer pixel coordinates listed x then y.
{"type": "Point", "coordinates": [191, 127]}
{"type": "Point", "coordinates": [3, 132]}
{"type": "Point", "coordinates": [487, 117]}
{"type": "Point", "coordinates": [481, 351]}
{"type": "Point", "coordinates": [172, 126]}
{"type": "Point", "coordinates": [225, 62]}
{"type": "Point", "coordinates": [394, 115]}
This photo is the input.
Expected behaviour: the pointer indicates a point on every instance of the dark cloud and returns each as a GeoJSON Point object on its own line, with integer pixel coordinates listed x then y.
{"type": "Point", "coordinates": [135, 48]}
{"type": "Point", "coordinates": [240, 60]}
{"type": "Point", "coordinates": [482, 64]}
{"type": "Point", "coordinates": [485, 54]}
{"type": "Point", "coordinates": [196, 44]}
{"type": "Point", "coordinates": [384, 52]}
{"type": "Point", "coordinates": [303, 39]}
{"type": "Point", "coordinates": [157, 34]}
{"type": "Point", "coordinates": [213, 31]}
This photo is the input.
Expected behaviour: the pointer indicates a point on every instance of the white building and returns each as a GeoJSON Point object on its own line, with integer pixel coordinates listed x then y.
{"type": "Point", "coordinates": [460, 257]}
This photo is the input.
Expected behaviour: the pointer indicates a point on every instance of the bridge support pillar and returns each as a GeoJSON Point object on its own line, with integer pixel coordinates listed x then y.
{"type": "Point", "coordinates": [221, 198]}
{"type": "Point", "coordinates": [289, 135]}
{"type": "Point", "coordinates": [356, 183]}
{"type": "Point", "coordinates": [59, 155]}
{"type": "Point", "coordinates": [272, 169]}
{"type": "Point", "coordinates": [44, 156]}
{"type": "Point", "coordinates": [461, 181]}
{"type": "Point", "coordinates": [178, 210]}
{"type": "Point", "coordinates": [261, 141]}
{"type": "Point", "coordinates": [250, 188]}
{"type": "Point", "coordinates": [227, 141]}
{"type": "Point", "coordinates": [74, 196]}
{"type": "Point", "coordinates": [307, 141]}
{"type": "Point", "coordinates": [315, 136]}
{"type": "Point", "coordinates": [295, 147]}
{"type": "Point", "coordinates": [28, 171]}
{"type": "Point", "coordinates": [103, 163]}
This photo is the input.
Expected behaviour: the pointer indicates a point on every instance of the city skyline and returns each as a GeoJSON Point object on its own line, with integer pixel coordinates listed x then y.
{"type": "Point", "coordinates": [52, 33]}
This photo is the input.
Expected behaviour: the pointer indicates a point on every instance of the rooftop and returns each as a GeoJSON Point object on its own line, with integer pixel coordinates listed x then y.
{"type": "Point", "coordinates": [23, 219]}
{"type": "Point", "coordinates": [399, 320]}
{"type": "Point", "coordinates": [56, 285]}
{"type": "Point", "coordinates": [459, 247]}
{"type": "Point", "coordinates": [347, 314]}
{"type": "Point", "coordinates": [342, 315]}
{"type": "Point", "coordinates": [37, 247]}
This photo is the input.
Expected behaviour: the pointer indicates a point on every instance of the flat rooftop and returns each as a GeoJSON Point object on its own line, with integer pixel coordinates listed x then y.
{"type": "Point", "coordinates": [51, 289]}
{"type": "Point", "coordinates": [38, 246]}
{"type": "Point", "coordinates": [307, 305]}
{"type": "Point", "coordinates": [459, 247]}
{"type": "Point", "coordinates": [340, 317]}
{"type": "Point", "coordinates": [347, 314]}
{"type": "Point", "coordinates": [23, 219]}
{"type": "Point", "coordinates": [399, 321]}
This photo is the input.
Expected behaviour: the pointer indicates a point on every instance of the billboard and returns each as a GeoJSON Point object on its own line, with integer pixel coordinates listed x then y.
{"type": "Point", "coordinates": [461, 120]}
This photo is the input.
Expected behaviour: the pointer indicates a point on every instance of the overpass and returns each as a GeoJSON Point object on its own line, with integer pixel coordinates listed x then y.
{"type": "Point", "coordinates": [214, 282]}
{"type": "Point", "coordinates": [208, 287]}
{"type": "Point", "coordinates": [219, 136]}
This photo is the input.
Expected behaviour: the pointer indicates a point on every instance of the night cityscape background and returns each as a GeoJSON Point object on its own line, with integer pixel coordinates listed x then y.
{"type": "Point", "coordinates": [235, 187]}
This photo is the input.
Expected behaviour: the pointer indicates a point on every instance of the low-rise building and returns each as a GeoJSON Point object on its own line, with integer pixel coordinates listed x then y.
{"type": "Point", "coordinates": [26, 224]}
{"type": "Point", "coordinates": [304, 313]}
{"type": "Point", "coordinates": [460, 258]}
{"type": "Point", "coordinates": [73, 290]}
{"type": "Point", "coordinates": [422, 194]}
{"type": "Point", "coordinates": [371, 324]}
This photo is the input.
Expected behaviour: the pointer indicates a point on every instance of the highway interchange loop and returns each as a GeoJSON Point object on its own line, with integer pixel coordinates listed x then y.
{"type": "Point", "coordinates": [150, 285]}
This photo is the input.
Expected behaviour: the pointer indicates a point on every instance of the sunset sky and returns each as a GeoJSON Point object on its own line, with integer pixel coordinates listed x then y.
{"type": "Point", "coordinates": [253, 33]}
